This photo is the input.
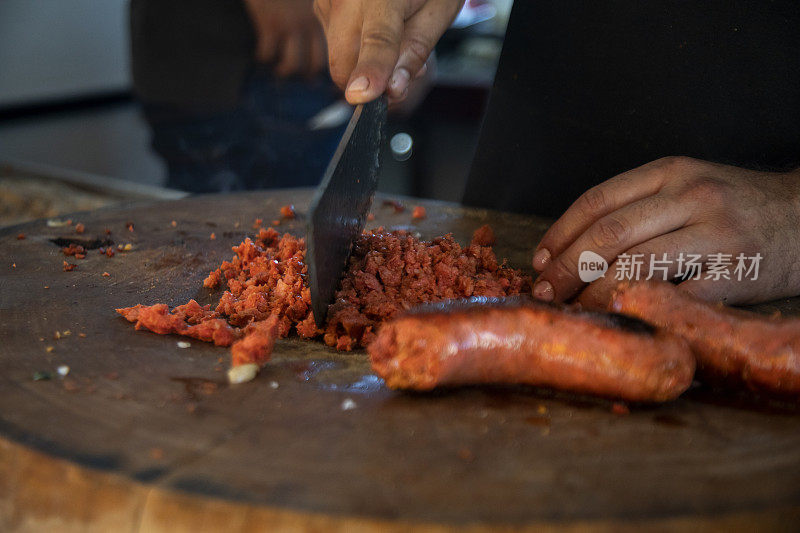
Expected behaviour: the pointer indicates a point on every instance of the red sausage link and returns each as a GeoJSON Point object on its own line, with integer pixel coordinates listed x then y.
{"type": "Point", "coordinates": [734, 345]}
{"type": "Point", "coordinates": [516, 340]}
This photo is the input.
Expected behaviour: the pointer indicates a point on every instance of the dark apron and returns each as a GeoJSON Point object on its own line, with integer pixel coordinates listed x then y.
{"type": "Point", "coordinates": [586, 90]}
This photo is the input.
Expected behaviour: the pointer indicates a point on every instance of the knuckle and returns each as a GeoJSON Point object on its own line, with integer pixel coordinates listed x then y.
{"type": "Point", "coordinates": [610, 231]}
{"type": "Point", "coordinates": [562, 271]}
{"type": "Point", "coordinates": [418, 49]}
{"type": "Point", "coordinates": [708, 191]}
{"type": "Point", "coordinates": [594, 199]}
{"type": "Point", "coordinates": [675, 164]}
{"type": "Point", "coordinates": [382, 37]}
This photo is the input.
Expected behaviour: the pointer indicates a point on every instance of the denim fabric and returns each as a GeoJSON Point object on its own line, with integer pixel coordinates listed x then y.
{"type": "Point", "coordinates": [262, 143]}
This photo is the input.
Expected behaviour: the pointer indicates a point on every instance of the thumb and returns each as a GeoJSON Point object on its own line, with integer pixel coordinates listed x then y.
{"type": "Point", "coordinates": [380, 46]}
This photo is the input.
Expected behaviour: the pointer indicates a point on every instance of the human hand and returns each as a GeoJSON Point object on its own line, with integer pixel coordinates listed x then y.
{"type": "Point", "coordinates": [673, 206]}
{"type": "Point", "coordinates": [288, 35]}
{"type": "Point", "coordinates": [375, 45]}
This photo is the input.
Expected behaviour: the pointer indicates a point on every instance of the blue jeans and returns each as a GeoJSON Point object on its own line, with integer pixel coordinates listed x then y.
{"type": "Point", "coordinates": [262, 143]}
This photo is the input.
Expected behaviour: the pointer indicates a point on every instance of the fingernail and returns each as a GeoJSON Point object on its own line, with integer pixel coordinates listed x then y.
{"type": "Point", "coordinates": [399, 81]}
{"type": "Point", "coordinates": [543, 290]}
{"type": "Point", "coordinates": [358, 85]}
{"type": "Point", "coordinates": [540, 259]}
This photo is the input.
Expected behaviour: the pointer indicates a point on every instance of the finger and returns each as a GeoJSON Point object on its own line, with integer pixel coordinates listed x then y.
{"type": "Point", "coordinates": [380, 47]}
{"type": "Point", "coordinates": [596, 203]}
{"type": "Point", "coordinates": [422, 32]}
{"type": "Point", "coordinates": [293, 55]}
{"type": "Point", "coordinates": [343, 34]}
{"type": "Point", "coordinates": [662, 259]}
{"type": "Point", "coordinates": [608, 237]}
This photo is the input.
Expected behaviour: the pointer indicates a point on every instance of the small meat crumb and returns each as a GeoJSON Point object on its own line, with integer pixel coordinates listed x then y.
{"type": "Point", "coordinates": [174, 223]}
{"type": "Point", "coordinates": [418, 213]}
{"type": "Point", "coordinates": [619, 408]}
{"type": "Point", "coordinates": [106, 274]}
{"type": "Point", "coordinates": [348, 404]}
{"type": "Point", "coordinates": [287, 211]}
{"type": "Point", "coordinates": [484, 236]}
{"type": "Point", "coordinates": [276, 222]}
{"type": "Point", "coordinates": [129, 225]}
{"type": "Point", "coordinates": [370, 217]}
{"type": "Point", "coordinates": [257, 223]}
{"type": "Point", "coordinates": [213, 236]}
{"type": "Point", "coordinates": [21, 237]}
{"type": "Point", "coordinates": [184, 344]}
{"type": "Point", "coordinates": [80, 228]}
{"type": "Point", "coordinates": [82, 335]}
{"type": "Point", "coordinates": [69, 267]}
{"type": "Point", "coordinates": [242, 373]}
{"type": "Point", "coordinates": [74, 250]}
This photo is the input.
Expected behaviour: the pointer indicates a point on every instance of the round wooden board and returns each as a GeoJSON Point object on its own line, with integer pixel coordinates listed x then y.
{"type": "Point", "coordinates": [145, 435]}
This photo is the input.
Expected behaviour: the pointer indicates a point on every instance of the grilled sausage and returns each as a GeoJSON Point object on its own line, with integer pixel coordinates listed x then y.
{"type": "Point", "coordinates": [518, 340]}
{"type": "Point", "coordinates": [729, 344]}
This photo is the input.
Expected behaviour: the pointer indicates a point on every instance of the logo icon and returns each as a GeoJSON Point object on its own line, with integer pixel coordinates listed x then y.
{"type": "Point", "coordinates": [591, 266]}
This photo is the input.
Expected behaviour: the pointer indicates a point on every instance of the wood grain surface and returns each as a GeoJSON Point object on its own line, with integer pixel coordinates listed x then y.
{"type": "Point", "coordinates": [142, 435]}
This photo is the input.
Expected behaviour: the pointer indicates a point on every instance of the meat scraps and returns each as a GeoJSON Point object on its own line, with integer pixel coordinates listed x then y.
{"type": "Point", "coordinates": [267, 292]}
{"type": "Point", "coordinates": [391, 272]}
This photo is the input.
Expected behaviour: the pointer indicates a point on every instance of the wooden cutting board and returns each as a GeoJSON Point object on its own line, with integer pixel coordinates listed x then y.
{"type": "Point", "coordinates": [143, 435]}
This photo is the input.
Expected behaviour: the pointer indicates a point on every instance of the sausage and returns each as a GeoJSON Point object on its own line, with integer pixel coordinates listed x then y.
{"type": "Point", "coordinates": [517, 340]}
{"type": "Point", "coordinates": [730, 345]}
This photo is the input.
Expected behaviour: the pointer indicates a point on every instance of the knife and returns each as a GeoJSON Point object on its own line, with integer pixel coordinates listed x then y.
{"type": "Point", "coordinates": [340, 205]}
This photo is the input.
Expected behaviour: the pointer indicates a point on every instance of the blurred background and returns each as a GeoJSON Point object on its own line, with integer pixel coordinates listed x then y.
{"type": "Point", "coordinates": [103, 101]}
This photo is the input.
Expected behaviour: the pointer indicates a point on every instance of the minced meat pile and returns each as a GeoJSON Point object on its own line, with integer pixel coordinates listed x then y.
{"type": "Point", "coordinates": [267, 292]}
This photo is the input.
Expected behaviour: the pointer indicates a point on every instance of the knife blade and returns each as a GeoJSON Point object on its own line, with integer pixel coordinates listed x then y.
{"type": "Point", "coordinates": [340, 205]}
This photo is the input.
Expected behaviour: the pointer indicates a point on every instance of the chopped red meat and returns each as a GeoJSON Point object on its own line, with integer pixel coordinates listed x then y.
{"type": "Point", "coordinates": [256, 346]}
{"type": "Point", "coordinates": [287, 211]}
{"type": "Point", "coordinates": [267, 294]}
{"type": "Point", "coordinates": [483, 236]}
{"type": "Point", "coordinates": [74, 250]}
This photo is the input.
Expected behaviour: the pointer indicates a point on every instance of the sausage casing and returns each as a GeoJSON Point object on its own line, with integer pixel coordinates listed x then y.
{"type": "Point", "coordinates": [517, 340]}
{"type": "Point", "coordinates": [730, 345]}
